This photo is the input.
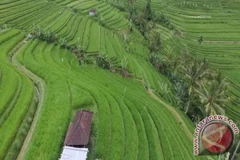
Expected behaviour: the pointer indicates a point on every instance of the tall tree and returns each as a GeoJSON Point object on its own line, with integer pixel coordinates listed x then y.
{"type": "Point", "coordinates": [200, 39]}
{"type": "Point", "coordinates": [213, 95]}
{"type": "Point", "coordinates": [131, 8]}
{"type": "Point", "coordinates": [148, 10]}
{"type": "Point", "coordinates": [155, 41]}
{"type": "Point", "coordinates": [141, 22]}
{"type": "Point", "coordinates": [194, 71]}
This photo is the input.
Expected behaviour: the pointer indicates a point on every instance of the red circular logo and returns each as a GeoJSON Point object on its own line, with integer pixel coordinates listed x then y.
{"type": "Point", "coordinates": [217, 137]}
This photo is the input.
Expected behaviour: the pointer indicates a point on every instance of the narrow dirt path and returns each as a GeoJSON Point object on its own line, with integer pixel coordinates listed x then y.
{"type": "Point", "coordinates": [222, 42]}
{"type": "Point", "coordinates": [40, 89]}
{"type": "Point", "coordinates": [217, 42]}
{"type": "Point", "coordinates": [174, 113]}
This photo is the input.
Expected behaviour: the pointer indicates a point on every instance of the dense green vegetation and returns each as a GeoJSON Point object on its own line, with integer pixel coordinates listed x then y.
{"type": "Point", "coordinates": [125, 64]}
{"type": "Point", "coordinates": [216, 25]}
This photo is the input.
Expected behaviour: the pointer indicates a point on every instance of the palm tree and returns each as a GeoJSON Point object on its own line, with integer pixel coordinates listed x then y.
{"type": "Point", "coordinates": [213, 95]}
{"type": "Point", "coordinates": [50, 37]}
{"type": "Point", "coordinates": [130, 25]}
{"type": "Point", "coordinates": [124, 63]}
{"type": "Point", "coordinates": [172, 62]}
{"type": "Point", "coordinates": [200, 40]}
{"type": "Point", "coordinates": [37, 30]}
{"type": "Point", "coordinates": [103, 61]}
{"type": "Point", "coordinates": [148, 10]}
{"type": "Point", "coordinates": [140, 21]}
{"type": "Point", "coordinates": [154, 41]}
{"type": "Point", "coordinates": [166, 64]}
{"type": "Point", "coordinates": [63, 42]}
{"type": "Point", "coordinates": [164, 90]}
{"type": "Point", "coordinates": [194, 72]}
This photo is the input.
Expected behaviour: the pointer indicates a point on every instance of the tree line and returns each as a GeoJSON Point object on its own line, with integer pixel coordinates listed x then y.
{"type": "Point", "coordinates": [101, 60]}
{"type": "Point", "coordinates": [199, 90]}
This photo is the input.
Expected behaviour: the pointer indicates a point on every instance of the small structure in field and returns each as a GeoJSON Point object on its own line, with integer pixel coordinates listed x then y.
{"type": "Point", "coordinates": [92, 12]}
{"type": "Point", "coordinates": [77, 138]}
{"type": "Point", "coordinates": [79, 130]}
{"type": "Point", "coordinates": [30, 36]}
{"type": "Point", "coordinates": [73, 153]}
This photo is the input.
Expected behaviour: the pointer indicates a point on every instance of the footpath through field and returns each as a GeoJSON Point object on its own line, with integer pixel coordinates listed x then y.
{"type": "Point", "coordinates": [174, 113]}
{"type": "Point", "coordinates": [40, 85]}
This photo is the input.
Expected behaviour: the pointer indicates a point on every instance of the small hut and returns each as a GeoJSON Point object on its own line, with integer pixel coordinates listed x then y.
{"type": "Point", "coordinates": [92, 12]}
{"type": "Point", "coordinates": [79, 130]}
{"type": "Point", "coordinates": [77, 138]}
{"type": "Point", "coordinates": [30, 36]}
{"type": "Point", "coordinates": [72, 153]}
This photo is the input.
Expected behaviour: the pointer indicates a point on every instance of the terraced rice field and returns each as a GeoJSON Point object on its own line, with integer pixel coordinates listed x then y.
{"type": "Point", "coordinates": [218, 22]}
{"type": "Point", "coordinates": [42, 85]}
{"type": "Point", "coordinates": [126, 114]}
{"type": "Point", "coordinates": [76, 28]}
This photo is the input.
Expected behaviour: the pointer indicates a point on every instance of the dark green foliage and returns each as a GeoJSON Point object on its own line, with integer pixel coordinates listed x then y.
{"type": "Point", "coordinates": [44, 35]}
{"type": "Point", "coordinates": [63, 43]}
{"type": "Point", "coordinates": [200, 39]}
{"type": "Point", "coordinates": [198, 90]}
{"type": "Point", "coordinates": [75, 10]}
{"type": "Point", "coordinates": [101, 21]}
{"type": "Point", "coordinates": [131, 9]}
{"type": "Point", "coordinates": [140, 21]}
{"type": "Point", "coordinates": [213, 95]}
{"type": "Point", "coordinates": [103, 62]}
{"type": "Point", "coordinates": [156, 62]}
{"type": "Point", "coordinates": [154, 41]}
{"type": "Point", "coordinates": [148, 11]}
{"type": "Point", "coordinates": [162, 19]}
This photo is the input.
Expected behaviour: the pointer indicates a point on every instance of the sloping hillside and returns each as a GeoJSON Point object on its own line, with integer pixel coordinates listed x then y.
{"type": "Point", "coordinates": [43, 84]}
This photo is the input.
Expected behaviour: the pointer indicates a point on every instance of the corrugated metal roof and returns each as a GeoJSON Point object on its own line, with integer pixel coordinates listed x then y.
{"type": "Point", "coordinates": [72, 153]}
{"type": "Point", "coordinates": [79, 130]}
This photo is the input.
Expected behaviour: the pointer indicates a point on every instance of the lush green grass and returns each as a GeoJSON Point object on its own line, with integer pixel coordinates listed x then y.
{"type": "Point", "coordinates": [94, 43]}
{"type": "Point", "coordinates": [112, 17]}
{"type": "Point", "coordinates": [17, 93]}
{"type": "Point", "coordinates": [112, 99]}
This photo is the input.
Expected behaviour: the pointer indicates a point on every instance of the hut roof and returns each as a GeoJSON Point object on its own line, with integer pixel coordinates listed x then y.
{"type": "Point", "coordinates": [92, 10]}
{"type": "Point", "coordinates": [72, 153]}
{"type": "Point", "coordinates": [79, 130]}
